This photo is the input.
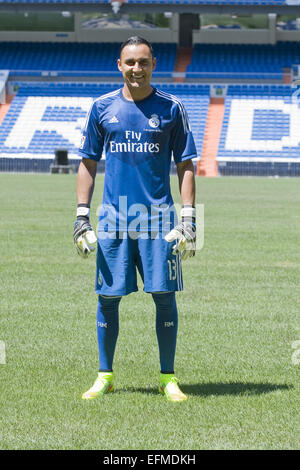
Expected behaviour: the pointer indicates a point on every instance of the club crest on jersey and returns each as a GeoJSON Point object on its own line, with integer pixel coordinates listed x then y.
{"type": "Point", "coordinates": [154, 121]}
{"type": "Point", "coordinates": [82, 142]}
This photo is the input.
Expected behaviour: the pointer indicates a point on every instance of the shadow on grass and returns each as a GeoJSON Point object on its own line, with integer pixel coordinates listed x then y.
{"type": "Point", "coordinates": [233, 388]}
{"type": "Point", "coordinates": [211, 389]}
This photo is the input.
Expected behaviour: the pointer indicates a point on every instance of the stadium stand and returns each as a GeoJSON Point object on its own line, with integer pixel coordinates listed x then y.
{"type": "Point", "coordinates": [251, 127]}
{"type": "Point", "coordinates": [248, 61]}
{"type": "Point", "coordinates": [229, 61]}
{"type": "Point", "coordinates": [46, 116]}
{"type": "Point", "coordinates": [260, 132]}
{"type": "Point", "coordinates": [291, 25]}
{"type": "Point", "coordinates": [54, 1]}
{"type": "Point", "coordinates": [153, 2]}
{"type": "Point", "coordinates": [211, 2]}
{"type": "Point", "coordinates": [83, 58]}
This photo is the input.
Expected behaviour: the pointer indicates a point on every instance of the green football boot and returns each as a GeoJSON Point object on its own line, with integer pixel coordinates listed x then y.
{"type": "Point", "coordinates": [169, 387]}
{"type": "Point", "coordinates": [103, 384]}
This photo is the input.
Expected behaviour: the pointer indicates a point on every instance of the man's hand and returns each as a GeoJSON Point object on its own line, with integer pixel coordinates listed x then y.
{"type": "Point", "coordinates": [184, 233]}
{"type": "Point", "coordinates": [84, 236]}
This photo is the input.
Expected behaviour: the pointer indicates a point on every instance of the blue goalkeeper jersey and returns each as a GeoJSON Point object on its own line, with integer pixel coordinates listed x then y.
{"type": "Point", "coordinates": [138, 139]}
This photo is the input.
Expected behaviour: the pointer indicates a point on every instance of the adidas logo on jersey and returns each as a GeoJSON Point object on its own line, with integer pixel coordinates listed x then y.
{"type": "Point", "coordinates": [113, 120]}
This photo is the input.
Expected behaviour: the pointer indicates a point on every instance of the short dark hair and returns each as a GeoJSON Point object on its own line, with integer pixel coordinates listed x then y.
{"type": "Point", "coordinates": [136, 40]}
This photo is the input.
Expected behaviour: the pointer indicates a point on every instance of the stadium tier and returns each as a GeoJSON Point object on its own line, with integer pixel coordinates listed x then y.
{"type": "Point", "coordinates": [247, 61]}
{"type": "Point", "coordinates": [163, 2]}
{"type": "Point", "coordinates": [54, 1]}
{"type": "Point", "coordinates": [211, 2]}
{"type": "Point", "coordinates": [28, 57]}
{"type": "Point", "coordinates": [44, 117]}
{"type": "Point", "coordinates": [260, 128]}
{"type": "Point", "coordinates": [260, 131]}
{"type": "Point", "coordinates": [256, 61]}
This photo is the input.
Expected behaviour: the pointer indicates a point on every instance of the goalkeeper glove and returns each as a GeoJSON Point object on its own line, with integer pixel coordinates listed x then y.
{"type": "Point", "coordinates": [184, 233]}
{"type": "Point", "coordinates": [84, 237]}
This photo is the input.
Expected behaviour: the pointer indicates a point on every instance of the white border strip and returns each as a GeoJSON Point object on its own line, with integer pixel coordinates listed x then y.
{"type": "Point", "coordinates": [40, 156]}
{"type": "Point", "coordinates": [260, 160]}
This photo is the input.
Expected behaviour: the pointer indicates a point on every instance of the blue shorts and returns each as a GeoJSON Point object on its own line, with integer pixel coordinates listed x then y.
{"type": "Point", "coordinates": [119, 259]}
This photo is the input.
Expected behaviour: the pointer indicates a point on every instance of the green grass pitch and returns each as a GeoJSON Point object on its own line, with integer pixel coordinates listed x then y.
{"type": "Point", "coordinates": [239, 316]}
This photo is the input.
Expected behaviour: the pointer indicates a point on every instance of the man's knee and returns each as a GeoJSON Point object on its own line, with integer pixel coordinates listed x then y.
{"type": "Point", "coordinates": [109, 303]}
{"type": "Point", "coordinates": [164, 300]}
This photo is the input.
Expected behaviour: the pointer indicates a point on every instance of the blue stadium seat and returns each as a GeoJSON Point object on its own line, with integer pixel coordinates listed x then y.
{"type": "Point", "coordinates": [261, 123]}
{"type": "Point", "coordinates": [243, 60]}
{"type": "Point", "coordinates": [75, 58]}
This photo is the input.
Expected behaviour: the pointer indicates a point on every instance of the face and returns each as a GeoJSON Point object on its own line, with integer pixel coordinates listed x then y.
{"type": "Point", "coordinates": [136, 64]}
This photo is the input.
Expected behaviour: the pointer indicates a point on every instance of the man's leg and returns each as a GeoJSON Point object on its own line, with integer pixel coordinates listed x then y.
{"type": "Point", "coordinates": [161, 273]}
{"type": "Point", "coordinates": [166, 331]}
{"type": "Point", "coordinates": [107, 333]}
{"type": "Point", "coordinates": [115, 277]}
{"type": "Point", "coordinates": [107, 330]}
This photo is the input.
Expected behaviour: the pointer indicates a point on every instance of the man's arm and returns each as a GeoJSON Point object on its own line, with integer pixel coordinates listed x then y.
{"type": "Point", "coordinates": [84, 237]}
{"type": "Point", "coordinates": [186, 178]}
{"type": "Point", "coordinates": [85, 181]}
{"type": "Point", "coordinates": [185, 232]}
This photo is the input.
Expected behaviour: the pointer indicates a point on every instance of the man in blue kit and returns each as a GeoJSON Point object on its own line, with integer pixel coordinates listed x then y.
{"type": "Point", "coordinates": [139, 129]}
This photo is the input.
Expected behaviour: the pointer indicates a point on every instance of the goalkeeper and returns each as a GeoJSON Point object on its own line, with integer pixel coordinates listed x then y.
{"type": "Point", "coordinates": [138, 128]}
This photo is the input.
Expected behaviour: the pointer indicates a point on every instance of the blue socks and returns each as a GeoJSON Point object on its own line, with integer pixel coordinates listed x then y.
{"type": "Point", "coordinates": [166, 329]}
{"type": "Point", "coordinates": [107, 330]}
